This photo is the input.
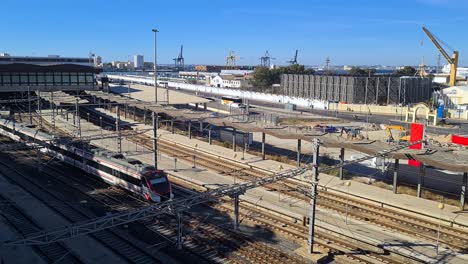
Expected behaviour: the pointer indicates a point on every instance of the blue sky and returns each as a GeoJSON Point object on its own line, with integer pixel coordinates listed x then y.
{"type": "Point", "coordinates": [348, 31]}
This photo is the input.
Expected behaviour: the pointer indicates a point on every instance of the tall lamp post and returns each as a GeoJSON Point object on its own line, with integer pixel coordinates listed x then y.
{"type": "Point", "coordinates": [155, 66]}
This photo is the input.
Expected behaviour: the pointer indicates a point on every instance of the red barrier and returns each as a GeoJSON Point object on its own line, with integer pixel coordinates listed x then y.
{"type": "Point", "coordinates": [460, 140]}
{"type": "Point", "coordinates": [416, 134]}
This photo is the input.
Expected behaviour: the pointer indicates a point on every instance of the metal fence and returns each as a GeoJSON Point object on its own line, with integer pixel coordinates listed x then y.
{"type": "Point", "coordinates": [382, 90]}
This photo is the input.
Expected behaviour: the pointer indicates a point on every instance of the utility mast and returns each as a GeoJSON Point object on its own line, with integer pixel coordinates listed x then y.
{"type": "Point", "coordinates": [327, 64]}
{"type": "Point", "coordinates": [293, 61]}
{"type": "Point", "coordinates": [179, 61]}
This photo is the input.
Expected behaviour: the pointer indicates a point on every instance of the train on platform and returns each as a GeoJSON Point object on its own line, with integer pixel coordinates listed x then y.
{"type": "Point", "coordinates": [114, 168]}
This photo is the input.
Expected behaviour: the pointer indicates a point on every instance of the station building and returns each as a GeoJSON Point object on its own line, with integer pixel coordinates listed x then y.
{"type": "Point", "coordinates": [53, 73]}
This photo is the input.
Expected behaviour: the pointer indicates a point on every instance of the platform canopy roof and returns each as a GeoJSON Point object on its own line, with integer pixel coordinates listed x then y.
{"type": "Point", "coordinates": [25, 67]}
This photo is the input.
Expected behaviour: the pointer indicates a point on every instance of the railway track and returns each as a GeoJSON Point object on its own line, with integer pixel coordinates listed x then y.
{"type": "Point", "coordinates": [223, 244]}
{"type": "Point", "coordinates": [114, 241]}
{"type": "Point", "coordinates": [343, 250]}
{"type": "Point", "coordinates": [24, 225]}
{"type": "Point", "coordinates": [454, 238]}
{"type": "Point", "coordinates": [393, 219]}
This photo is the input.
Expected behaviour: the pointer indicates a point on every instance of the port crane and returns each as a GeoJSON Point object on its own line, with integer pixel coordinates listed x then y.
{"type": "Point", "coordinates": [179, 61]}
{"type": "Point", "coordinates": [231, 59]}
{"type": "Point", "coordinates": [293, 61]}
{"type": "Point", "coordinates": [265, 59]}
{"type": "Point", "coordinates": [453, 61]}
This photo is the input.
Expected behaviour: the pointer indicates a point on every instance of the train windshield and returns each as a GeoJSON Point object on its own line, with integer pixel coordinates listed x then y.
{"type": "Point", "coordinates": [159, 181]}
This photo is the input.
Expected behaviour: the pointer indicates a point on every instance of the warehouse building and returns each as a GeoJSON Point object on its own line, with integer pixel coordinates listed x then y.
{"type": "Point", "coordinates": [382, 90]}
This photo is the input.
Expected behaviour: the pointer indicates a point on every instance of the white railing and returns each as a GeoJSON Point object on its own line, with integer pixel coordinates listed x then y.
{"type": "Point", "coordinates": [266, 97]}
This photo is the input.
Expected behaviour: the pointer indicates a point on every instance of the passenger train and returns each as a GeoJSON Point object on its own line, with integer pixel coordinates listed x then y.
{"type": "Point", "coordinates": [129, 174]}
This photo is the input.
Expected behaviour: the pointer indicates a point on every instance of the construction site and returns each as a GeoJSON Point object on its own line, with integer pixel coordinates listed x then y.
{"type": "Point", "coordinates": [126, 168]}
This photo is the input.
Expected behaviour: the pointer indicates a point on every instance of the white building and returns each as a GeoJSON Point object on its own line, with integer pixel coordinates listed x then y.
{"type": "Point", "coordinates": [226, 81]}
{"type": "Point", "coordinates": [457, 96]}
{"type": "Point", "coordinates": [461, 71]}
{"type": "Point", "coordinates": [138, 61]}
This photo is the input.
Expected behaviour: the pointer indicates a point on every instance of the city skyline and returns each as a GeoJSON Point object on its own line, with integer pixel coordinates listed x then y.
{"type": "Point", "coordinates": [357, 33]}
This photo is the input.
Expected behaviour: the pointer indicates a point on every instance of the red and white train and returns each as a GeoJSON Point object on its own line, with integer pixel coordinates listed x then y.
{"type": "Point", "coordinates": [115, 169]}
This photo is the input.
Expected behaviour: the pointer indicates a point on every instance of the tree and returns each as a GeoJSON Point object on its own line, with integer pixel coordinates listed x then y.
{"type": "Point", "coordinates": [262, 78]}
{"type": "Point", "coordinates": [405, 71]}
{"type": "Point", "coordinates": [358, 71]}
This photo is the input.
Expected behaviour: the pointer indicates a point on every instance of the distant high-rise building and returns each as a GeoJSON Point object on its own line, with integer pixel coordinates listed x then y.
{"type": "Point", "coordinates": [138, 61]}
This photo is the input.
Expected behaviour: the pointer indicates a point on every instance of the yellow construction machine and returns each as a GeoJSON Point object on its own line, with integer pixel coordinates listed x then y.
{"type": "Point", "coordinates": [403, 136]}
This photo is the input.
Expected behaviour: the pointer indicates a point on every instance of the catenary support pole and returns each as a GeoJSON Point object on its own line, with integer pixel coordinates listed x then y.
{"type": "Point", "coordinates": [313, 200]}
{"type": "Point", "coordinates": [299, 153]}
{"type": "Point", "coordinates": [234, 139]}
{"type": "Point", "coordinates": [420, 180]}
{"type": "Point", "coordinates": [39, 108]}
{"type": "Point", "coordinates": [209, 136]}
{"type": "Point", "coordinates": [464, 188]}
{"type": "Point", "coordinates": [29, 105]}
{"type": "Point", "coordinates": [236, 212]}
{"type": "Point", "coordinates": [263, 145]}
{"type": "Point", "coordinates": [190, 129]}
{"type": "Point", "coordinates": [117, 129]}
{"type": "Point", "coordinates": [179, 230]}
{"type": "Point", "coordinates": [341, 170]}
{"type": "Point", "coordinates": [396, 166]}
{"type": "Point", "coordinates": [53, 111]}
{"type": "Point", "coordinates": [77, 117]}
{"type": "Point", "coordinates": [155, 140]}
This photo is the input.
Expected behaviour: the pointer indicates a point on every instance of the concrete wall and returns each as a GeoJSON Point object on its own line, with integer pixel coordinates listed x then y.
{"type": "Point", "coordinates": [373, 109]}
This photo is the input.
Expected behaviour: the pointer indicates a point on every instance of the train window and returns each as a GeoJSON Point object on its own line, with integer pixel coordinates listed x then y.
{"type": "Point", "coordinates": [93, 164]}
{"type": "Point", "coordinates": [105, 169]}
{"type": "Point", "coordinates": [116, 173]}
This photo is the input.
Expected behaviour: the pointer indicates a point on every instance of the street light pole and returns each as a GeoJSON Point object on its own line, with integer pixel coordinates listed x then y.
{"type": "Point", "coordinates": [155, 66]}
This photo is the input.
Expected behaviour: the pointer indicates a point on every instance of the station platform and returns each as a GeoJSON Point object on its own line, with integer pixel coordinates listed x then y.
{"type": "Point", "coordinates": [146, 93]}
{"type": "Point", "coordinates": [295, 208]}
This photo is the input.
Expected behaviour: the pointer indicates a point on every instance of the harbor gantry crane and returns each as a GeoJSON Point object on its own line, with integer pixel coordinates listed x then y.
{"type": "Point", "coordinates": [294, 59]}
{"type": "Point", "coordinates": [179, 61]}
{"type": "Point", "coordinates": [231, 59]}
{"type": "Point", "coordinates": [453, 61]}
{"type": "Point", "coordinates": [266, 59]}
